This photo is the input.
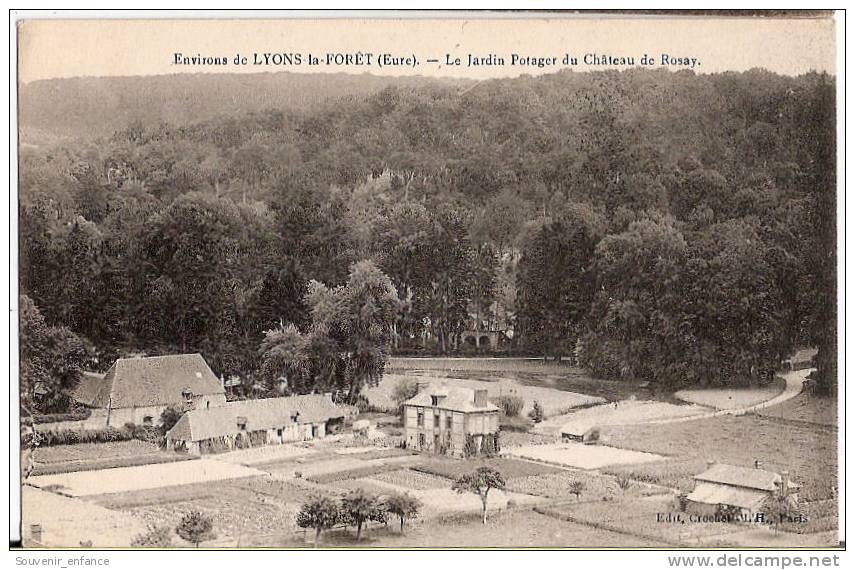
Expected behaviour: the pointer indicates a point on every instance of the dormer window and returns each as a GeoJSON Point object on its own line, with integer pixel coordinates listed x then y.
{"type": "Point", "coordinates": [241, 423]}
{"type": "Point", "coordinates": [434, 400]}
{"type": "Point", "coordinates": [187, 395]}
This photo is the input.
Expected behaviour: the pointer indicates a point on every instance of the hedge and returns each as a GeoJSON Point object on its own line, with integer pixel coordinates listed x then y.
{"type": "Point", "coordinates": [70, 437]}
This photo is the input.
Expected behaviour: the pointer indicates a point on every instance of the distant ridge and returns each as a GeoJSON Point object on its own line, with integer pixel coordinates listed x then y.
{"type": "Point", "coordinates": [98, 106]}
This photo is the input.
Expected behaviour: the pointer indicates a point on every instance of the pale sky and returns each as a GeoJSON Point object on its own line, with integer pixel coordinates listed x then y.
{"type": "Point", "coordinates": [71, 48]}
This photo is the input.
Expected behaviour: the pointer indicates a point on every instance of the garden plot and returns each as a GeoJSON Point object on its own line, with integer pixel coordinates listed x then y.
{"type": "Point", "coordinates": [436, 501]}
{"type": "Point", "coordinates": [640, 517]}
{"type": "Point", "coordinates": [67, 522]}
{"type": "Point", "coordinates": [411, 479]}
{"type": "Point", "coordinates": [455, 468]}
{"type": "Point", "coordinates": [122, 479]}
{"type": "Point", "coordinates": [626, 412]}
{"type": "Point", "coordinates": [239, 507]}
{"type": "Point", "coordinates": [581, 456]}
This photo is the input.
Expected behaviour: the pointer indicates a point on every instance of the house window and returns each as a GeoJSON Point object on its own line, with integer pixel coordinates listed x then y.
{"type": "Point", "coordinates": [436, 423]}
{"type": "Point", "coordinates": [420, 418]}
{"type": "Point", "coordinates": [448, 421]}
{"type": "Point", "coordinates": [421, 441]}
{"type": "Point", "coordinates": [279, 432]}
{"type": "Point", "coordinates": [434, 400]}
{"type": "Point", "coordinates": [147, 420]}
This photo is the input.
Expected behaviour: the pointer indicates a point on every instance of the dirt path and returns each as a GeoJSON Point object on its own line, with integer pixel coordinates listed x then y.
{"type": "Point", "coordinates": [792, 389]}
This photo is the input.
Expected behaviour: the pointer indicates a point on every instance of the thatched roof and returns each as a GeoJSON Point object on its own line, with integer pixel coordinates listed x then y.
{"type": "Point", "coordinates": [148, 381]}
{"type": "Point", "coordinates": [267, 413]}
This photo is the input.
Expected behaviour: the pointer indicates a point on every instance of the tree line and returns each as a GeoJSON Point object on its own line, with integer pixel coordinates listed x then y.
{"type": "Point", "coordinates": [650, 225]}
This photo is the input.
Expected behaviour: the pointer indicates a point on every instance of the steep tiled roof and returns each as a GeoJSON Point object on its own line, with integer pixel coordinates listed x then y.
{"type": "Point", "coordinates": [741, 477]}
{"type": "Point", "coordinates": [455, 398]}
{"type": "Point", "coordinates": [268, 413]}
{"type": "Point", "coordinates": [149, 381]}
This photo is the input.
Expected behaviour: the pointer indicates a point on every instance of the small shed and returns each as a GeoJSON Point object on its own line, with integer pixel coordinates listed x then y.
{"type": "Point", "coordinates": [746, 491]}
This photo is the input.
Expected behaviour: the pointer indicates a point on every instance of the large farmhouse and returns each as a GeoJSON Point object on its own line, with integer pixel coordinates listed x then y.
{"type": "Point", "coordinates": [253, 423]}
{"type": "Point", "coordinates": [740, 490]}
{"type": "Point", "coordinates": [138, 389]}
{"type": "Point", "coordinates": [449, 420]}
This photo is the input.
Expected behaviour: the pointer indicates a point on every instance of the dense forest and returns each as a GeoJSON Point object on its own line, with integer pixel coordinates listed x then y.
{"type": "Point", "coordinates": [651, 225]}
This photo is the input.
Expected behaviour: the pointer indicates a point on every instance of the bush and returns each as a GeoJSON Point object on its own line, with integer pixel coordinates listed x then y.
{"type": "Point", "coordinates": [403, 391]}
{"type": "Point", "coordinates": [196, 527]}
{"type": "Point", "coordinates": [510, 405]}
{"type": "Point", "coordinates": [154, 537]}
{"type": "Point", "coordinates": [169, 417]}
{"type": "Point", "coordinates": [536, 414]}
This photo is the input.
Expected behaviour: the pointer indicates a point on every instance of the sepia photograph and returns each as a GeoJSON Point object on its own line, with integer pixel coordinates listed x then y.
{"type": "Point", "coordinates": [446, 280]}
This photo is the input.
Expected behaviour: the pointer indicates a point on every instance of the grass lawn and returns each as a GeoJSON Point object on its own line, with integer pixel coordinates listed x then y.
{"type": "Point", "coordinates": [528, 372]}
{"type": "Point", "coordinates": [732, 398]}
{"type": "Point", "coordinates": [808, 452]}
{"type": "Point", "coordinates": [805, 408]}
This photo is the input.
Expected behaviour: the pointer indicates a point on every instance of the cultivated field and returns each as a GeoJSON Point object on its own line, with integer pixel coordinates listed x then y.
{"type": "Point", "coordinates": [239, 507]}
{"type": "Point", "coordinates": [93, 456]}
{"type": "Point", "coordinates": [558, 493]}
{"type": "Point", "coordinates": [581, 456]}
{"type": "Point", "coordinates": [124, 479]}
{"type": "Point", "coordinates": [808, 453]}
{"type": "Point", "coordinates": [454, 468]}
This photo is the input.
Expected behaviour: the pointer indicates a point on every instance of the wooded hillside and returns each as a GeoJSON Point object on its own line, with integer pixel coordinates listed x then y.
{"type": "Point", "coordinates": [671, 227]}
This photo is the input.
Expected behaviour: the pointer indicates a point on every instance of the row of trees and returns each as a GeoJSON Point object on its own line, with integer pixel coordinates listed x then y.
{"type": "Point", "coordinates": [574, 211]}
{"type": "Point", "coordinates": [356, 508]}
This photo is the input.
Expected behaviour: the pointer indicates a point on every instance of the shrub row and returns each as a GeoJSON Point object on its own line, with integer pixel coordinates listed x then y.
{"type": "Point", "coordinates": [70, 437]}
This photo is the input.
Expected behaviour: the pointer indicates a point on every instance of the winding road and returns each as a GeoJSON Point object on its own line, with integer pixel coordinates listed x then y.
{"type": "Point", "coordinates": [793, 387]}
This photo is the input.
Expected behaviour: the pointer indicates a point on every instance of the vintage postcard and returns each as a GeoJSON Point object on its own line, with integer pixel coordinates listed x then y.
{"type": "Point", "coordinates": [433, 280]}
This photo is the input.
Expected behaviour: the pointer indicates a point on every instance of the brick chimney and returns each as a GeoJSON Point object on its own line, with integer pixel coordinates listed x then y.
{"type": "Point", "coordinates": [480, 398]}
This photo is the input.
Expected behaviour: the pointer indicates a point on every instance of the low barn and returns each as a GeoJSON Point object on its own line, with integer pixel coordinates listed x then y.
{"type": "Point", "coordinates": [740, 490]}
{"type": "Point", "coordinates": [252, 423]}
{"type": "Point", "coordinates": [450, 420]}
{"type": "Point", "coordinates": [138, 389]}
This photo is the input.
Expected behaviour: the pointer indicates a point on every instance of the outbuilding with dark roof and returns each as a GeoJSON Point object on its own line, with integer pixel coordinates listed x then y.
{"type": "Point", "coordinates": [252, 423]}
{"type": "Point", "coordinates": [138, 389]}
